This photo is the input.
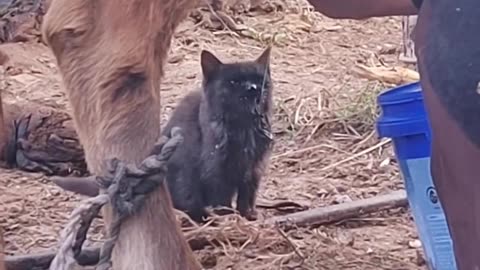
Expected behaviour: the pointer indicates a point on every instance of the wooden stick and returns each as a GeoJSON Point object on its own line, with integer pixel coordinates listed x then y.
{"type": "Point", "coordinates": [392, 75]}
{"type": "Point", "coordinates": [342, 211]}
{"type": "Point", "coordinates": [89, 256]}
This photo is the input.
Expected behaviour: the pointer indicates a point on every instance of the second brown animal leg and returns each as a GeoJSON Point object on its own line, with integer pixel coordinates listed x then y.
{"type": "Point", "coordinates": [2, 250]}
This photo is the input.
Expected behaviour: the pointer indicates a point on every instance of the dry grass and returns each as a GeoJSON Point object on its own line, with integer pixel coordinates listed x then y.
{"type": "Point", "coordinates": [326, 148]}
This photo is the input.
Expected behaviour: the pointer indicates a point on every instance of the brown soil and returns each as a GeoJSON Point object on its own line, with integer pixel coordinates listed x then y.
{"type": "Point", "coordinates": [324, 115]}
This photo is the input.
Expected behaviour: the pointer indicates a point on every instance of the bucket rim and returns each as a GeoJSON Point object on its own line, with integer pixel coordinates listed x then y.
{"type": "Point", "coordinates": [401, 94]}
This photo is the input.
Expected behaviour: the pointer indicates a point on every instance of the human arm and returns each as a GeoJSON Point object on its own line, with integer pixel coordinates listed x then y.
{"type": "Point", "coordinates": [364, 9]}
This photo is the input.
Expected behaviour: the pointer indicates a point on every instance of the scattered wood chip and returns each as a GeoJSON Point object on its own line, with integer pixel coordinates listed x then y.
{"type": "Point", "coordinates": [391, 75]}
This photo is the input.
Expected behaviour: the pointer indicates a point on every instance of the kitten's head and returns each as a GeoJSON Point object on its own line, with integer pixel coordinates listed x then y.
{"type": "Point", "coordinates": [237, 88]}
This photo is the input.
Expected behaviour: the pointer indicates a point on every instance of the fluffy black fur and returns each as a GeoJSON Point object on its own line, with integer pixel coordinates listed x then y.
{"type": "Point", "coordinates": [228, 138]}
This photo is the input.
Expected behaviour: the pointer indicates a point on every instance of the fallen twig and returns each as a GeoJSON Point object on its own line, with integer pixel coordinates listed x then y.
{"type": "Point", "coordinates": [342, 211]}
{"type": "Point", "coordinates": [392, 75]}
{"type": "Point", "coordinates": [88, 256]}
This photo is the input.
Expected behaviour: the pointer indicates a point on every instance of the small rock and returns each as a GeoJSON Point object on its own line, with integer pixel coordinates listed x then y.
{"type": "Point", "coordinates": [415, 243]}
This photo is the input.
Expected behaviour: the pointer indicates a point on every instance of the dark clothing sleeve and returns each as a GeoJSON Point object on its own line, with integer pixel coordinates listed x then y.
{"type": "Point", "coordinates": [447, 46]}
{"type": "Point", "coordinates": [417, 3]}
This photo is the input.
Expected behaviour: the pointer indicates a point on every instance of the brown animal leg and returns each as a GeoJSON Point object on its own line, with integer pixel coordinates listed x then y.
{"type": "Point", "coordinates": [2, 248]}
{"type": "Point", "coordinates": [111, 55]}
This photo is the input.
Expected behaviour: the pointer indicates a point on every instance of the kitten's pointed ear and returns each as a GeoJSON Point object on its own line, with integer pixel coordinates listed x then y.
{"type": "Point", "coordinates": [210, 63]}
{"type": "Point", "coordinates": [264, 58]}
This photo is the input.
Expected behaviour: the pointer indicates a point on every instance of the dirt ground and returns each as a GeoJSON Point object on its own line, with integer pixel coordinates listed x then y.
{"type": "Point", "coordinates": [324, 116]}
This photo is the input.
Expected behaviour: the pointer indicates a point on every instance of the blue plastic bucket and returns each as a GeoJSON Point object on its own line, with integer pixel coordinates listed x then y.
{"type": "Point", "coordinates": [404, 120]}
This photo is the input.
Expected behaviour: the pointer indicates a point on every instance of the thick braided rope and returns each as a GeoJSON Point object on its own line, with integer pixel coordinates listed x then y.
{"type": "Point", "coordinates": [65, 258]}
{"type": "Point", "coordinates": [127, 189]}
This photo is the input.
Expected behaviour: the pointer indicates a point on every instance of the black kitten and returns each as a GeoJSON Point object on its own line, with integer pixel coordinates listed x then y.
{"type": "Point", "coordinates": [227, 137]}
